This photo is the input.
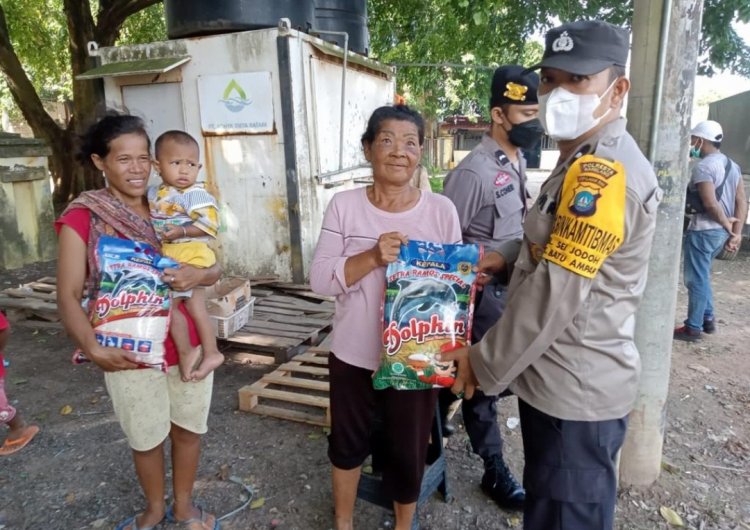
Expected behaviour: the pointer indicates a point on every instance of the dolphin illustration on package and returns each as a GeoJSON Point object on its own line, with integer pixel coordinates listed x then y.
{"type": "Point", "coordinates": [421, 297]}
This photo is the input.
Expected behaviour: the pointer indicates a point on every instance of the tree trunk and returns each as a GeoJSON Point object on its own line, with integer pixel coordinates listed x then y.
{"type": "Point", "coordinates": [64, 168]}
{"type": "Point", "coordinates": [70, 177]}
{"type": "Point", "coordinates": [26, 98]}
{"type": "Point", "coordinates": [88, 95]}
{"type": "Point", "coordinates": [659, 120]}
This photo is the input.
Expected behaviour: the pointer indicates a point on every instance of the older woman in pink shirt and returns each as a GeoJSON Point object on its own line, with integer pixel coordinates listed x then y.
{"type": "Point", "coordinates": [362, 232]}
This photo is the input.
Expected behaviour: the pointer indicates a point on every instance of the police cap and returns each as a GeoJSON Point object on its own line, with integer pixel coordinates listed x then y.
{"type": "Point", "coordinates": [511, 84]}
{"type": "Point", "coordinates": [585, 47]}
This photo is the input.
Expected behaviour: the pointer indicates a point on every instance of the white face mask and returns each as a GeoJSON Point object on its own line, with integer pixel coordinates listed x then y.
{"type": "Point", "coordinates": [566, 116]}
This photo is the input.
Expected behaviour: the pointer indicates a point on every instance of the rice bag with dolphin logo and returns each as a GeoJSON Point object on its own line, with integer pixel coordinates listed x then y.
{"type": "Point", "coordinates": [427, 309]}
{"type": "Point", "coordinates": [131, 303]}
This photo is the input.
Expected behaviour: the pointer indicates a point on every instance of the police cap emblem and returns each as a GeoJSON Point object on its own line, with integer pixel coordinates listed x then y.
{"type": "Point", "coordinates": [515, 91]}
{"type": "Point", "coordinates": [563, 43]}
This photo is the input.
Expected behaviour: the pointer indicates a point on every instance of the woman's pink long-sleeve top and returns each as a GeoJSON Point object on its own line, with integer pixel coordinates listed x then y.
{"type": "Point", "coordinates": [351, 226]}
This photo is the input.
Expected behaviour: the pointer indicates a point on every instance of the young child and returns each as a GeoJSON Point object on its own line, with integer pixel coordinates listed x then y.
{"type": "Point", "coordinates": [21, 433]}
{"type": "Point", "coordinates": [186, 217]}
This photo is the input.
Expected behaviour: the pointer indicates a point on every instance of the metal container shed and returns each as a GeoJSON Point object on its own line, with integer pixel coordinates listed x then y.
{"type": "Point", "coordinates": [733, 113]}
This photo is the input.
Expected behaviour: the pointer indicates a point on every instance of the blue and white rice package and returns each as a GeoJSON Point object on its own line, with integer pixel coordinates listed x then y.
{"type": "Point", "coordinates": [131, 305]}
{"type": "Point", "coordinates": [428, 309]}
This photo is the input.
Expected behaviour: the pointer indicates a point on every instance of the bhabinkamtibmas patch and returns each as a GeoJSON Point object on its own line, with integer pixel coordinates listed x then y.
{"type": "Point", "coordinates": [590, 221]}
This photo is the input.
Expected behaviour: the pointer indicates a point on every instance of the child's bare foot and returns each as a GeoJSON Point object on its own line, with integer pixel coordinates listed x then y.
{"type": "Point", "coordinates": [18, 439]}
{"type": "Point", "coordinates": [188, 362]}
{"type": "Point", "coordinates": [211, 361]}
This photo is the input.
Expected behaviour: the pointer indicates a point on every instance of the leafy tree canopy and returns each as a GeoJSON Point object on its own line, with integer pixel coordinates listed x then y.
{"type": "Point", "coordinates": [39, 34]}
{"type": "Point", "coordinates": [43, 46]}
{"type": "Point", "coordinates": [488, 33]}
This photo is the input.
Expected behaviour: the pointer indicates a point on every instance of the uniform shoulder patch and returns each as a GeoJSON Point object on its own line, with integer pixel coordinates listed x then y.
{"type": "Point", "coordinates": [502, 178]}
{"type": "Point", "coordinates": [590, 219]}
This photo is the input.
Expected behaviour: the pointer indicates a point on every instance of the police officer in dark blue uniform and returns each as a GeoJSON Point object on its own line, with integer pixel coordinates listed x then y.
{"type": "Point", "coordinates": [488, 189]}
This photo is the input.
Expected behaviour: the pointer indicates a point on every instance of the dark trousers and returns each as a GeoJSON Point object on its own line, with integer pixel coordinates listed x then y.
{"type": "Point", "coordinates": [402, 420]}
{"type": "Point", "coordinates": [569, 476]}
{"type": "Point", "coordinates": [480, 412]}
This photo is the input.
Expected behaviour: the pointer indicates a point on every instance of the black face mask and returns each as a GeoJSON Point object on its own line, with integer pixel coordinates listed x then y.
{"type": "Point", "coordinates": [526, 135]}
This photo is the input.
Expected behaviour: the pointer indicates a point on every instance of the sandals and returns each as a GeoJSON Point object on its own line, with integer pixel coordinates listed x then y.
{"type": "Point", "coordinates": [131, 523]}
{"type": "Point", "coordinates": [202, 522]}
{"type": "Point", "coordinates": [12, 446]}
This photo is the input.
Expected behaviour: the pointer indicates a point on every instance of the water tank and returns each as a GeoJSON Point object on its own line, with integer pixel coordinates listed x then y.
{"type": "Point", "coordinates": [191, 18]}
{"type": "Point", "coordinates": [344, 15]}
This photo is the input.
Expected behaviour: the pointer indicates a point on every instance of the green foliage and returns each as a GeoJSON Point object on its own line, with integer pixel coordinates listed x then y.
{"type": "Point", "coordinates": [42, 50]}
{"type": "Point", "coordinates": [480, 33]}
{"type": "Point", "coordinates": [721, 47]}
{"type": "Point", "coordinates": [39, 33]}
{"type": "Point", "coordinates": [148, 25]}
{"type": "Point", "coordinates": [488, 33]}
{"type": "Point", "coordinates": [436, 183]}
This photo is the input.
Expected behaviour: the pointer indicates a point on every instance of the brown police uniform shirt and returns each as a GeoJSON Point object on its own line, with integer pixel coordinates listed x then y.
{"type": "Point", "coordinates": [490, 196]}
{"type": "Point", "coordinates": [565, 342]}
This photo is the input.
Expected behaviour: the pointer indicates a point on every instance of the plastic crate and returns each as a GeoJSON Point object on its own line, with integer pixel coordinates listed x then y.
{"type": "Point", "coordinates": [225, 327]}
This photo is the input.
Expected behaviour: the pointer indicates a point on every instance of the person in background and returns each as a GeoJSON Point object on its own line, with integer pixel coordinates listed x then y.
{"type": "Point", "coordinates": [150, 405]}
{"type": "Point", "coordinates": [20, 433]}
{"type": "Point", "coordinates": [719, 183]}
{"type": "Point", "coordinates": [488, 188]}
{"type": "Point", "coordinates": [565, 342]}
{"type": "Point", "coordinates": [362, 232]}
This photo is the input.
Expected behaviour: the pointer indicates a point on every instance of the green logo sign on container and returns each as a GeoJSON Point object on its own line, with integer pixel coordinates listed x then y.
{"type": "Point", "coordinates": [234, 97]}
{"type": "Point", "coordinates": [236, 103]}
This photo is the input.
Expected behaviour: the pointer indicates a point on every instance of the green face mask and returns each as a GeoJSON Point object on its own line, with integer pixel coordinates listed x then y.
{"type": "Point", "coordinates": [695, 151]}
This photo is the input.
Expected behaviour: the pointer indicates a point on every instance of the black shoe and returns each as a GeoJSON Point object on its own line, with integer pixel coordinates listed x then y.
{"type": "Point", "coordinates": [709, 326]}
{"type": "Point", "coordinates": [500, 485]}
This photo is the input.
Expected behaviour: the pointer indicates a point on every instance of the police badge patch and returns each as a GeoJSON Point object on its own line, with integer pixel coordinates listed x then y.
{"type": "Point", "coordinates": [563, 43]}
{"type": "Point", "coordinates": [515, 91]}
{"type": "Point", "coordinates": [502, 179]}
{"type": "Point", "coordinates": [584, 201]}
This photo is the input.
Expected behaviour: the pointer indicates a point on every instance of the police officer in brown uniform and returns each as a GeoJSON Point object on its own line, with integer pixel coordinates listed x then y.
{"type": "Point", "coordinates": [564, 344]}
{"type": "Point", "coordinates": [488, 189]}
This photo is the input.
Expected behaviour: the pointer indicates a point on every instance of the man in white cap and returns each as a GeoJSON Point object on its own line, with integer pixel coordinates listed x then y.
{"type": "Point", "coordinates": [564, 344]}
{"type": "Point", "coordinates": [717, 224]}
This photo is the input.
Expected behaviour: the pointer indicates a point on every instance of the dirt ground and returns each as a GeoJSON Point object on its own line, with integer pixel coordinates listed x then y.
{"type": "Point", "coordinates": [78, 473]}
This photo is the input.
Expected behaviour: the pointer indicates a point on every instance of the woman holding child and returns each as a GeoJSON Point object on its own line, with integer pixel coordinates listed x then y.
{"type": "Point", "coordinates": [150, 405]}
{"type": "Point", "coordinates": [362, 232]}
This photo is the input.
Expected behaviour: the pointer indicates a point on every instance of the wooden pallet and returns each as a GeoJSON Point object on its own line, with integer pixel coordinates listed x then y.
{"type": "Point", "coordinates": [302, 291]}
{"type": "Point", "coordinates": [297, 391]}
{"type": "Point", "coordinates": [295, 305]}
{"type": "Point", "coordinates": [32, 303]}
{"type": "Point", "coordinates": [283, 325]}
